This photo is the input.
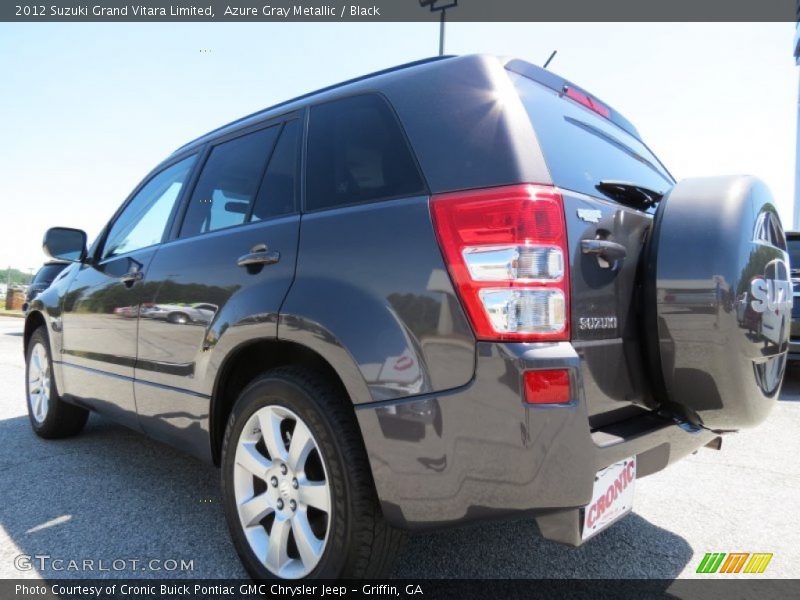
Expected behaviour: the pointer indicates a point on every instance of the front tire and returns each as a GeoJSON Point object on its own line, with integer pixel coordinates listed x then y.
{"type": "Point", "coordinates": [49, 415]}
{"type": "Point", "coordinates": [297, 488]}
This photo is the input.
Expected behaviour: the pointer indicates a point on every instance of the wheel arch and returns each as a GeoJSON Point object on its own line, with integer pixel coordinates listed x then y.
{"type": "Point", "coordinates": [33, 320]}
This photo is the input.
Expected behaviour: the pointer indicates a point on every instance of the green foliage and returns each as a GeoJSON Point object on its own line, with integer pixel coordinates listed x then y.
{"type": "Point", "coordinates": [14, 276]}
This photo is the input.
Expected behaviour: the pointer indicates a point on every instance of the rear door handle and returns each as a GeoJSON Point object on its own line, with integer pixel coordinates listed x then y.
{"type": "Point", "coordinates": [259, 255]}
{"type": "Point", "coordinates": [609, 251]}
{"type": "Point", "coordinates": [604, 248]}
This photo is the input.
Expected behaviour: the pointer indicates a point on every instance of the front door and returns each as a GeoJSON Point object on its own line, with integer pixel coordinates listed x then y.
{"type": "Point", "coordinates": [101, 308]}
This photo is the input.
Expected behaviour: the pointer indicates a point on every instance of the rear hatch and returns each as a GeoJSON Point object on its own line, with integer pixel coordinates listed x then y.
{"type": "Point", "coordinates": [588, 147]}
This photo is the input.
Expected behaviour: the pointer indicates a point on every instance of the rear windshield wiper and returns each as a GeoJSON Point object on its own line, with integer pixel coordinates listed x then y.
{"type": "Point", "coordinates": [630, 194]}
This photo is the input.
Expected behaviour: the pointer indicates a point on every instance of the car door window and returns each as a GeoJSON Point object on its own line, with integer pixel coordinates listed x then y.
{"type": "Point", "coordinates": [278, 192]}
{"type": "Point", "coordinates": [357, 152]}
{"type": "Point", "coordinates": [228, 183]}
{"type": "Point", "coordinates": [144, 220]}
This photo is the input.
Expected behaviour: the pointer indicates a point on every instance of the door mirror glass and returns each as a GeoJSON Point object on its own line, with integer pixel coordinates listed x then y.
{"type": "Point", "coordinates": [63, 243]}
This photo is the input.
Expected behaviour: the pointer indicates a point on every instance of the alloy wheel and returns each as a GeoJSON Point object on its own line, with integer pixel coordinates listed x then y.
{"type": "Point", "coordinates": [282, 492]}
{"type": "Point", "coordinates": [39, 382]}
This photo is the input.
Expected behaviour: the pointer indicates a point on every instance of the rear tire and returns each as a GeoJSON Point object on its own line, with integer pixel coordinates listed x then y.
{"type": "Point", "coordinates": [351, 539]}
{"type": "Point", "coordinates": [50, 416]}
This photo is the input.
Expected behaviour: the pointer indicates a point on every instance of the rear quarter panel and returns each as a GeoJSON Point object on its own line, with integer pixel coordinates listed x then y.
{"type": "Point", "coordinates": [371, 288]}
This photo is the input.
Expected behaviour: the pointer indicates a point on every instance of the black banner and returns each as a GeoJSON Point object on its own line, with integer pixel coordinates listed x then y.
{"type": "Point", "coordinates": [398, 10]}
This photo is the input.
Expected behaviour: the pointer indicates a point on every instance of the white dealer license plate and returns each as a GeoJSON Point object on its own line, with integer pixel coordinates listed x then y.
{"type": "Point", "coordinates": [612, 496]}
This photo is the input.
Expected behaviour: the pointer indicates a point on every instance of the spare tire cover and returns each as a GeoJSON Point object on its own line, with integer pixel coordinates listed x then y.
{"type": "Point", "coordinates": [717, 301]}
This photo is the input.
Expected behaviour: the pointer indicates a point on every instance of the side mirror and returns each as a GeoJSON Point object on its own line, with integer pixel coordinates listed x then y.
{"type": "Point", "coordinates": [63, 243]}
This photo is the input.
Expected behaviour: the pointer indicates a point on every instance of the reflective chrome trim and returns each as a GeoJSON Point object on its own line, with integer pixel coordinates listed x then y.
{"type": "Point", "coordinates": [515, 262]}
{"type": "Point", "coordinates": [525, 310]}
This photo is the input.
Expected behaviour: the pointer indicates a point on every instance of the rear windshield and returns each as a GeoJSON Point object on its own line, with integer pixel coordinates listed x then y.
{"type": "Point", "coordinates": [48, 273]}
{"type": "Point", "coordinates": [582, 149]}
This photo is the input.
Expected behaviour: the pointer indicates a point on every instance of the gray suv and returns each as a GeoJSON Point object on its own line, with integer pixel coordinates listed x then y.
{"type": "Point", "coordinates": [458, 289]}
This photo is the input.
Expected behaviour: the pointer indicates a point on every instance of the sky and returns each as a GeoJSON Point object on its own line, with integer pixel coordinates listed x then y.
{"type": "Point", "coordinates": [86, 110]}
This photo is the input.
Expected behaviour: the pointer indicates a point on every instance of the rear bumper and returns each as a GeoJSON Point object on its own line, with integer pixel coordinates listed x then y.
{"type": "Point", "coordinates": [480, 452]}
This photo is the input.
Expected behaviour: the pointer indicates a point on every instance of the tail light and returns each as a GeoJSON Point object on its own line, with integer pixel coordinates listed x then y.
{"type": "Point", "coordinates": [506, 252]}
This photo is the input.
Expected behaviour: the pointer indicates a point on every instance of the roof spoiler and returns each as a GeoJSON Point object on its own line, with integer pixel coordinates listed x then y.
{"type": "Point", "coordinates": [567, 88]}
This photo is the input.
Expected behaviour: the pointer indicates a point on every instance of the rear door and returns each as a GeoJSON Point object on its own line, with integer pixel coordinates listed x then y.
{"type": "Point", "coordinates": [582, 148]}
{"type": "Point", "coordinates": [225, 274]}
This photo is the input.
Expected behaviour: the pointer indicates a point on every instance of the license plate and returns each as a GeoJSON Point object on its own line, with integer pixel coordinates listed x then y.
{"type": "Point", "coordinates": [612, 496]}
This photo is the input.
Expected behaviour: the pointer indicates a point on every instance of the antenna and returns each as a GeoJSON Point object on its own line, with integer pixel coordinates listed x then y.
{"type": "Point", "coordinates": [547, 62]}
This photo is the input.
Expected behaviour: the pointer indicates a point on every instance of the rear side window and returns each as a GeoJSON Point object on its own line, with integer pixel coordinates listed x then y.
{"type": "Point", "coordinates": [357, 153]}
{"type": "Point", "coordinates": [278, 192]}
{"type": "Point", "coordinates": [582, 149]}
{"type": "Point", "coordinates": [228, 183]}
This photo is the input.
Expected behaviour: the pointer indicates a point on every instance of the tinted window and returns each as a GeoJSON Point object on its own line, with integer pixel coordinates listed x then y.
{"type": "Point", "coordinates": [145, 218]}
{"type": "Point", "coordinates": [48, 273]}
{"type": "Point", "coordinates": [228, 183]}
{"type": "Point", "coordinates": [794, 253]}
{"type": "Point", "coordinates": [278, 192]}
{"type": "Point", "coordinates": [357, 153]}
{"type": "Point", "coordinates": [582, 149]}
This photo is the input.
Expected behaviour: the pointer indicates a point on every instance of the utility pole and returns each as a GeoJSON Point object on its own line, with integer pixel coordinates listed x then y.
{"type": "Point", "coordinates": [441, 32]}
{"type": "Point", "coordinates": [442, 18]}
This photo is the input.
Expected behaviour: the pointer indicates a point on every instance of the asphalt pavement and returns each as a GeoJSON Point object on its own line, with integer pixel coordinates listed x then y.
{"type": "Point", "coordinates": [113, 495]}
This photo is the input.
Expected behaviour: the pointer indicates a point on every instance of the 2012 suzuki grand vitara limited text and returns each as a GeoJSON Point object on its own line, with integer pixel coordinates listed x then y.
{"type": "Point", "coordinates": [459, 289]}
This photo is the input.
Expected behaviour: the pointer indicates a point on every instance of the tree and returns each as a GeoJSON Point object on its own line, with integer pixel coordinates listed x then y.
{"type": "Point", "coordinates": [14, 277]}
